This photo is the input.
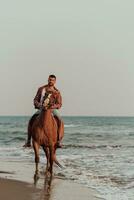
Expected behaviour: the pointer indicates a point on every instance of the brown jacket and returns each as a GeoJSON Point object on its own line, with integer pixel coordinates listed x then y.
{"type": "Point", "coordinates": [55, 101]}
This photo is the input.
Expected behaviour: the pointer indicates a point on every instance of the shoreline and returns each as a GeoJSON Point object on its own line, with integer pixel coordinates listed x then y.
{"type": "Point", "coordinates": [17, 182]}
{"type": "Point", "coordinates": [14, 189]}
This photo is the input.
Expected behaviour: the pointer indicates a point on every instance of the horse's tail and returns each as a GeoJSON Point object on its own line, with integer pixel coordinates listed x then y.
{"type": "Point", "coordinates": [57, 163]}
{"type": "Point", "coordinates": [53, 158]}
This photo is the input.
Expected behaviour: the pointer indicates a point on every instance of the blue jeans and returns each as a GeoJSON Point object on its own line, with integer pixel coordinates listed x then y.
{"type": "Point", "coordinates": [56, 113]}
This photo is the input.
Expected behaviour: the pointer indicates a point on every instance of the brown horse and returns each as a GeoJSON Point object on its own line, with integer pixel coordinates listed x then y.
{"type": "Point", "coordinates": [44, 131]}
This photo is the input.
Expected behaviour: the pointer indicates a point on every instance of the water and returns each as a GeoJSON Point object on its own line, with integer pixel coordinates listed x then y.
{"type": "Point", "coordinates": [98, 152]}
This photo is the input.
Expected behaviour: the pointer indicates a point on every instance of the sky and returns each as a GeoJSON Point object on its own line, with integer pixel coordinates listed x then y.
{"type": "Point", "coordinates": [87, 44]}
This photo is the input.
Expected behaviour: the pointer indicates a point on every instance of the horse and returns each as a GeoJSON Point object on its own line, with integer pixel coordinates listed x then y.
{"type": "Point", "coordinates": [44, 130]}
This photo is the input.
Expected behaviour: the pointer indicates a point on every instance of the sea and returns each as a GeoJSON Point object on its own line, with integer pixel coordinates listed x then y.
{"type": "Point", "coordinates": [98, 152]}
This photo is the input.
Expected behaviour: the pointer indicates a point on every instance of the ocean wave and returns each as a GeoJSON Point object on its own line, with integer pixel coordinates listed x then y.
{"type": "Point", "coordinates": [17, 139]}
{"type": "Point", "coordinates": [18, 132]}
{"type": "Point", "coordinates": [5, 123]}
{"type": "Point", "coordinates": [12, 140]}
{"type": "Point", "coordinates": [11, 132]}
{"type": "Point", "coordinates": [89, 146]}
{"type": "Point", "coordinates": [8, 148]}
{"type": "Point", "coordinates": [70, 125]}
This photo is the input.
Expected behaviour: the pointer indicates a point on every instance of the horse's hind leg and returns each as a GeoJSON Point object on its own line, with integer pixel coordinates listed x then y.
{"type": "Point", "coordinates": [36, 151]}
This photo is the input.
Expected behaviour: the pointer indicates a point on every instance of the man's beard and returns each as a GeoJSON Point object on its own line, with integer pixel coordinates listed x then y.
{"type": "Point", "coordinates": [50, 84]}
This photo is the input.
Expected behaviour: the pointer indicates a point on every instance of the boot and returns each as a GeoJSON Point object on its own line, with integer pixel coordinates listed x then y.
{"type": "Point", "coordinates": [59, 145]}
{"type": "Point", "coordinates": [27, 144]}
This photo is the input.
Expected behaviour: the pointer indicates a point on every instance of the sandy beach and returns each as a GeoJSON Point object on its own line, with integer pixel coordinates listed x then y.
{"type": "Point", "coordinates": [72, 191]}
{"type": "Point", "coordinates": [12, 189]}
{"type": "Point", "coordinates": [17, 183]}
{"type": "Point", "coordinates": [17, 190]}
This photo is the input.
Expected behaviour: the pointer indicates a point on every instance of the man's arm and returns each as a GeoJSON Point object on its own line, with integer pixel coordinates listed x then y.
{"type": "Point", "coordinates": [37, 97]}
{"type": "Point", "coordinates": [58, 103]}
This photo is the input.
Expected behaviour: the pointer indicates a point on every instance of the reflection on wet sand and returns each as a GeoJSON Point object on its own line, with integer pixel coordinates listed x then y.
{"type": "Point", "coordinates": [46, 191]}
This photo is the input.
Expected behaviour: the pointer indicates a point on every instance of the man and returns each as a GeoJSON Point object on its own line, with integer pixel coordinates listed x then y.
{"type": "Point", "coordinates": [54, 104]}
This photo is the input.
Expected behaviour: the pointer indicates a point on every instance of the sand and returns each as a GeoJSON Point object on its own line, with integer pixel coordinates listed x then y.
{"type": "Point", "coordinates": [68, 190]}
{"type": "Point", "coordinates": [17, 183]}
{"type": "Point", "coordinates": [16, 190]}
{"type": "Point", "coordinates": [60, 190]}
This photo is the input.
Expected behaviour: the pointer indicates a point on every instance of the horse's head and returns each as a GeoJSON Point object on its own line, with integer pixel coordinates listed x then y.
{"type": "Point", "coordinates": [46, 101]}
{"type": "Point", "coordinates": [46, 114]}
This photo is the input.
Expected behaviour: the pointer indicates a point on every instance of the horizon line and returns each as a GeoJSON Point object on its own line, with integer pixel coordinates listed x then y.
{"type": "Point", "coordinates": [73, 115]}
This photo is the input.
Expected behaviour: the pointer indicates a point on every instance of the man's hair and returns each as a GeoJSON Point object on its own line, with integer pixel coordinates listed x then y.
{"type": "Point", "coordinates": [52, 76]}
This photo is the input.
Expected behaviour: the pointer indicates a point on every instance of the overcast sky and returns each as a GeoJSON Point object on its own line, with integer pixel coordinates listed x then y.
{"type": "Point", "coordinates": [88, 45]}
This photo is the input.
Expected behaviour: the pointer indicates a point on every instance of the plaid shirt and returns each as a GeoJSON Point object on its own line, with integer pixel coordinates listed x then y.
{"type": "Point", "coordinates": [55, 100]}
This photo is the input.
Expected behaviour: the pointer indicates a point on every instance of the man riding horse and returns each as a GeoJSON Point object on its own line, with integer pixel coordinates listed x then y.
{"type": "Point", "coordinates": [51, 93]}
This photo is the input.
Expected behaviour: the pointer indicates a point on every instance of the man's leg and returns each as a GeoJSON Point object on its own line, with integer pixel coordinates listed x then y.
{"type": "Point", "coordinates": [28, 143]}
{"type": "Point", "coordinates": [59, 122]}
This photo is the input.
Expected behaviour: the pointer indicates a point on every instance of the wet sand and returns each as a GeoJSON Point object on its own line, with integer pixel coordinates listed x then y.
{"type": "Point", "coordinates": [60, 189]}
{"type": "Point", "coordinates": [17, 183]}
{"type": "Point", "coordinates": [16, 190]}
{"type": "Point", "coordinates": [68, 190]}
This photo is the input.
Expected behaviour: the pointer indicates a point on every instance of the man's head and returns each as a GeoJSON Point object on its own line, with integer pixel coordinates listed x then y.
{"type": "Point", "coordinates": [51, 80]}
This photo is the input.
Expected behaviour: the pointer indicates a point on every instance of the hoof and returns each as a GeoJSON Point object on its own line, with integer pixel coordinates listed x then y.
{"type": "Point", "coordinates": [36, 178]}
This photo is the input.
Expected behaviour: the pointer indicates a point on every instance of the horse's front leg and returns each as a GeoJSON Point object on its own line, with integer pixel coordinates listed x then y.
{"type": "Point", "coordinates": [46, 150]}
{"type": "Point", "coordinates": [36, 151]}
{"type": "Point", "coordinates": [51, 159]}
{"type": "Point", "coordinates": [48, 166]}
